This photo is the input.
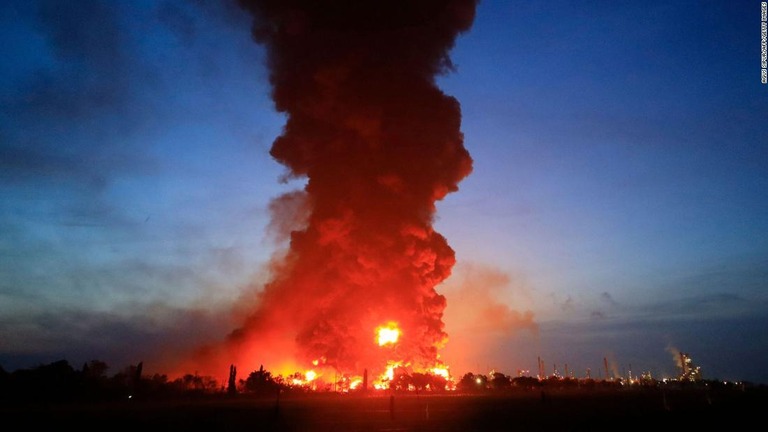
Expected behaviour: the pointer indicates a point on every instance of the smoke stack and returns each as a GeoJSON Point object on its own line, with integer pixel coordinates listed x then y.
{"type": "Point", "coordinates": [683, 364]}
{"type": "Point", "coordinates": [232, 381]}
{"type": "Point", "coordinates": [365, 380]}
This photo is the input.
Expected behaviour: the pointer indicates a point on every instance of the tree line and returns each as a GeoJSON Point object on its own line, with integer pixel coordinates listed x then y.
{"type": "Point", "coordinates": [60, 382]}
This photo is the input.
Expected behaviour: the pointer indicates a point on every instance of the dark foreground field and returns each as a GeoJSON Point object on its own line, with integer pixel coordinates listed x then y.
{"type": "Point", "coordinates": [529, 411]}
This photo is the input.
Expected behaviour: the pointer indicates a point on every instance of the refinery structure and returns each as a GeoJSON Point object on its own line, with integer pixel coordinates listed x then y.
{"type": "Point", "coordinates": [399, 377]}
{"type": "Point", "coordinates": [688, 370]}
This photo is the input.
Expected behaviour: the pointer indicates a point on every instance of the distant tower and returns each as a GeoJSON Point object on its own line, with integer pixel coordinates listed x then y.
{"type": "Point", "coordinates": [542, 373]}
{"type": "Point", "coordinates": [365, 380]}
{"type": "Point", "coordinates": [605, 362]}
{"type": "Point", "coordinates": [683, 364]}
{"type": "Point", "coordinates": [231, 383]}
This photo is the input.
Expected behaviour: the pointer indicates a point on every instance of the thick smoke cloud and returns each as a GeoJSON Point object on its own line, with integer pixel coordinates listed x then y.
{"type": "Point", "coordinates": [476, 304]}
{"type": "Point", "coordinates": [378, 144]}
{"type": "Point", "coordinates": [488, 310]}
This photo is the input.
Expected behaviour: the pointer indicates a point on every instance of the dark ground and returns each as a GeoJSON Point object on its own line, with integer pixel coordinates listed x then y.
{"type": "Point", "coordinates": [650, 409]}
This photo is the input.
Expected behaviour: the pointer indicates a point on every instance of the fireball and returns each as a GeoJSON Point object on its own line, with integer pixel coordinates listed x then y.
{"type": "Point", "coordinates": [387, 335]}
{"type": "Point", "coordinates": [310, 375]}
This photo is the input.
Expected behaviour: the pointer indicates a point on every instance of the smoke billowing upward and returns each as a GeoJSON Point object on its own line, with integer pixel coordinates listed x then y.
{"type": "Point", "coordinates": [675, 356]}
{"type": "Point", "coordinates": [378, 143]}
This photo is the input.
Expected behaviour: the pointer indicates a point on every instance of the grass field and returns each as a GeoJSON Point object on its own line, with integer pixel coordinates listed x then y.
{"type": "Point", "coordinates": [525, 411]}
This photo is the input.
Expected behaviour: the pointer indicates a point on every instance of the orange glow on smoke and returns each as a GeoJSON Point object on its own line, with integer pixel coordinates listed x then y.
{"type": "Point", "coordinates": [388, 334]}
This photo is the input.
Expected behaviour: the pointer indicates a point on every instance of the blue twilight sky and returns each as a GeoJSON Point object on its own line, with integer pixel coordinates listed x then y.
{"type": "Point", "coordinates": [618, 195]}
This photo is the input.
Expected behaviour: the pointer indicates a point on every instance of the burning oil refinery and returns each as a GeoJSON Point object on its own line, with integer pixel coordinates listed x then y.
{"type": "Point", "coordinates": [351, 300]}
{"type": "Point", "coordinates": [688, 370]}
{"type": "Point", "coordinates": [403, 379]}
{"type": "Point", "coordinates": [352, 289]}
{"type": "Point", "coordinates": [400, 215]}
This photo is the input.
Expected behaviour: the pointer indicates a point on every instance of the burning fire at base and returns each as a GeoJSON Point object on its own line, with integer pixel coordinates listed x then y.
{"type": "Point", "coordinates": [378, 144]}
{"type": "Point", "coordinates": [386, 337]}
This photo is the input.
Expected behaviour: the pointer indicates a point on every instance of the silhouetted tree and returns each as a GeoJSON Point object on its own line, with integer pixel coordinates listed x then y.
{"type": "Point", "coordinates": [95, 369]}
{"type": "Point", "coordinates": [527, 383]}
{"type": "Point", "coordinates": [261, 382]}
{"type": "Point", "coordinates": [552, 382]}
{"type": "Point", "coordinates": [499, 381]}
{"type": "Point", "coordinates": [190, 383]}
{"type": "Point", "coordinates": [437, 383]}
{"type": "Point", "coordinates": [129, 379]}
{"type": "Point", "coordinates": [55, 382]}
{"type": "Point", "coordinates": [419, 381]}
{"type": "Point", "coordinates": [5, 384]}
{"type": "Point", "coordinates": [472, 383]}
{"type": "Point", "coordinates": [157, 386]}
{"type": "Point", "coordinates": [94, 382]}
{"type": "Point", "coordinates": [400, 382]}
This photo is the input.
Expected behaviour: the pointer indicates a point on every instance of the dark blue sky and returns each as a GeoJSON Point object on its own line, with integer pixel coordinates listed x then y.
{"type": "Point", "coordinates": [618, 195]}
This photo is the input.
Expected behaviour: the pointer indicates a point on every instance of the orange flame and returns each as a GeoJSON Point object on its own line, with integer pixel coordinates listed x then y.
{"type": "Point", "coordinates": [310, 375]}
{"type": "Point", "coordinates": [388, 334]}
{"type": "Point", "coordinates": [441, 371]}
